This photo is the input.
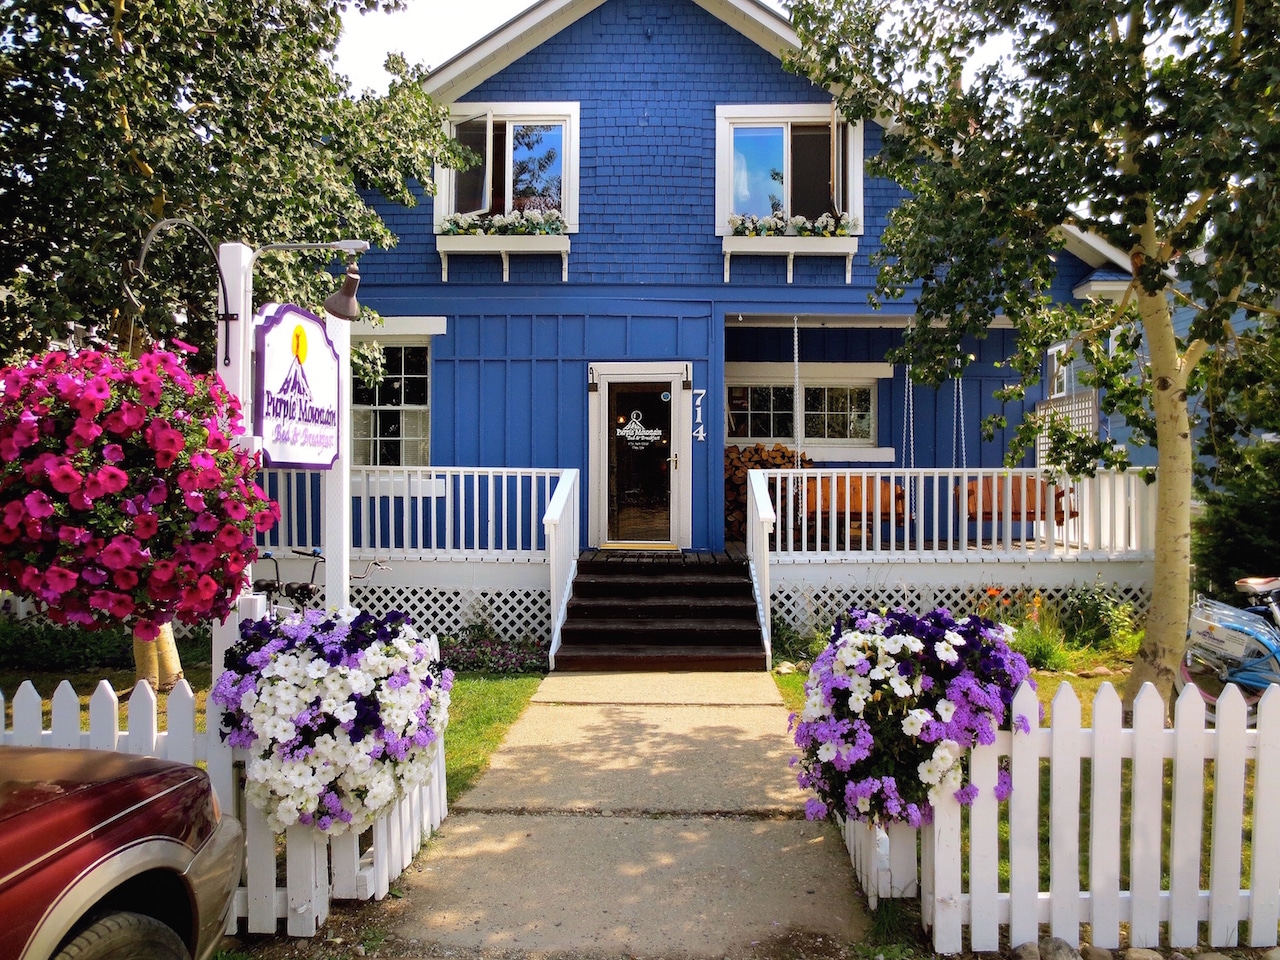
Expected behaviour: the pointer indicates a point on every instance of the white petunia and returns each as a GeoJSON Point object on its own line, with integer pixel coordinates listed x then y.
{"type": "Point", "coordinates": [946, 710]}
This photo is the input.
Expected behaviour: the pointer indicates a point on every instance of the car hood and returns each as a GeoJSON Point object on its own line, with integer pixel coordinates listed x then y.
{"type": "Point", "coordinates": [31, 777]}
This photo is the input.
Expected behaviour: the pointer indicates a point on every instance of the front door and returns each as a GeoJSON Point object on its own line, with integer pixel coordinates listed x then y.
{"type": "Point", "coordinates": [640, 456]}
{"type": "Point", "coordinates": [640, 462]}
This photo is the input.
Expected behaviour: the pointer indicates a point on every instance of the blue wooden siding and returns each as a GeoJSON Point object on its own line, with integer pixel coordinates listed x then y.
{"type": "Point", "coordinates": [648, 77]}
{"type": "Point", "coordinates": [645, 275]}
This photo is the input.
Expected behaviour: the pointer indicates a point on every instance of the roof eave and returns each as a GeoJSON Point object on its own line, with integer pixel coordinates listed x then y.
{"type": "Point", "coordinates": [461, 74]}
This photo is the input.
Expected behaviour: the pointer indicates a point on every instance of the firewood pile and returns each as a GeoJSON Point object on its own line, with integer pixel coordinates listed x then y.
{"type": "Point", "coordinates": [737, 461]}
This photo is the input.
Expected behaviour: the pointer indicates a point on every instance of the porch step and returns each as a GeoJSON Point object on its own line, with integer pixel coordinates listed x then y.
{"type": "Point", "coordinates": [660, 611]}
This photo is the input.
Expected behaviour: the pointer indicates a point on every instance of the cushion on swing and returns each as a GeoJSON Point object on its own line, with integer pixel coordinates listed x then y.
{"type": "Point", "coordinates": [854, 499]}
{"type": "Point", "coordinates": [1027, 500]}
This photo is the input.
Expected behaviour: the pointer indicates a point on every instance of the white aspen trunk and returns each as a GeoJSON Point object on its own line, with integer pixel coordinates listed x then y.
{"type": "Point", "coordinates": [157, 662]}
{"type": "Point", "coordinates": [1161, 648]}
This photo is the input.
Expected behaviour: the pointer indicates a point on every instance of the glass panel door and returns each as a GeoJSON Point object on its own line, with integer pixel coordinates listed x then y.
{"type": "Point", "coordinates": [639, 475]}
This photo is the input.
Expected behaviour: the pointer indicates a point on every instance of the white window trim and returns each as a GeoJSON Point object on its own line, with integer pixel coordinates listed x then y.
{"type": "Point", "coordinates": [745, 374]}
{"type": "Point", "coordinates": [566, 112]}
{"type": "Point", "coordinates": [730, 115]}
{"type": "Point", "coordinates": [400, 332]}
{"type": "Point", "coordinates": [1056, 354]}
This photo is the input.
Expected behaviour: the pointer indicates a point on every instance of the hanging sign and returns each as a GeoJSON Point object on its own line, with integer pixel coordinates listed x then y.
{"type": "Point", "coordinates": [296, 402]}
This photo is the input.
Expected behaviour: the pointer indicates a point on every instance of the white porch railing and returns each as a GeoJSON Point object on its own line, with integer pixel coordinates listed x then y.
{"type": "Point", "coordinates": [760, 523]}
{"type": "Point", "coordinates": [315, 870]}
{"type": "Point", "coordinates": [975, 515]}
{"type": "Point", "coordinates": [561, 524]}
{"type": "Point", "coordinates": [445, 513]}
{"type": "Point", "coordinates": [1160, 885]}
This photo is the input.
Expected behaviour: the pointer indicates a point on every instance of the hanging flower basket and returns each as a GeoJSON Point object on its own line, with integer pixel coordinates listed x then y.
{"type": "Point", "coordinates": [121, 493]}
{"type": "Point", "coordinates": [341, 713]}
{"type": "Point", "coordinates": [894, 703]}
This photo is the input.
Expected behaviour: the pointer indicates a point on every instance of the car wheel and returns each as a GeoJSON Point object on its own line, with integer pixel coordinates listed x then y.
{"type": "Point", "coordinates": [125, 936]}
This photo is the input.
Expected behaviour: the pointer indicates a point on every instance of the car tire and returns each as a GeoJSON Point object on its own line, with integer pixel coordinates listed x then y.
{"type": "Point", "coordinates": [125, 936]}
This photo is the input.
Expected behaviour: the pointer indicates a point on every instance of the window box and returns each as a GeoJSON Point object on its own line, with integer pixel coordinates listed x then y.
{"type": "Point", "coordinates": [792, 247]}
{"type": "Point", "coordinates": [503, 245]}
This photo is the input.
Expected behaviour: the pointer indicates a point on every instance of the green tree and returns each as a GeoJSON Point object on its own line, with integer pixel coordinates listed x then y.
{"type": "Point", "coordinates": [229, 114]}
{"type": "Point", "coordinates": [1152, 125]}
{"type": "Point", "coordinates": [225, 113]}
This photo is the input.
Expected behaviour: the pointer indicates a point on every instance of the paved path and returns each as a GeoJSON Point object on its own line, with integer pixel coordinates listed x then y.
{"type": "Point", "coordinates": [638, 814]}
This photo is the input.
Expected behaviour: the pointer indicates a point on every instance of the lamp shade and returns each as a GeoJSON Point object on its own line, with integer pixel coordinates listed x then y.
{"type": "Point", "coordinates": [343, 303]}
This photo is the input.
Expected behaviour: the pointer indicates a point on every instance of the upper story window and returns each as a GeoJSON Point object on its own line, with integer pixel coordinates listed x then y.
{"type": "Point", "coordinates": [799, 160]}
{"type": "Point", "coordinates": [1062, 379]}
{"type": "Point", "coordinates": [528, 161]}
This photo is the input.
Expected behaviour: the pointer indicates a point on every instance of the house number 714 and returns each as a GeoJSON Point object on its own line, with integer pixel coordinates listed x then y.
{"type": "Point", "coordinates": [699, 430]}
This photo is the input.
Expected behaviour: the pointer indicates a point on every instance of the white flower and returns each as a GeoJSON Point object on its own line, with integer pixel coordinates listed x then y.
{"type": "Point", "coordinates": [929, 771]}
{"type": "Point", "coordinates": [827, 752]}
{"type": "Point", "coordinates": [914, 722]}
{"type": "Point", "coordinates": [947, 753]}
{"type": "Point", "coordinates": [945, 652]}
{"type": "Point", "coordinates": [953, 638]}
{"type": "Point", "coordinates": [946, 710]}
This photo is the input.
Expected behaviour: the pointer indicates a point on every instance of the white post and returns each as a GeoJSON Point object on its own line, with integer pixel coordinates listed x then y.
{"type": "Point", "coordinates": [336, 482]}
{"type": "Point", "coordinates": [236, 340]}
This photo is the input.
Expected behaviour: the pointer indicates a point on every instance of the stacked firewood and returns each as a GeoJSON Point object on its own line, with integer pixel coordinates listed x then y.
{"type": "Point", "coordinates": [737, 461]}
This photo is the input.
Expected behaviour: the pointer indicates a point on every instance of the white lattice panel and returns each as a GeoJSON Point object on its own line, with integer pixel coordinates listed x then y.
{"type": "Point", "coordinates": [512, 613]}
{"type": "Point", "coordinates": [807, 607]}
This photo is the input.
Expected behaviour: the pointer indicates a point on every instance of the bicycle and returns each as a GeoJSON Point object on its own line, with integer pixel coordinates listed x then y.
{"type": "Point", "coordinates": [301, 593]}
{"type": "Point", "coordinates": [1226, 644]}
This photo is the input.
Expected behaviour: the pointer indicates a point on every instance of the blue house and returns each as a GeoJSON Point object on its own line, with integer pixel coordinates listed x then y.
{"type": "Point", "coordinates": [675, 261]}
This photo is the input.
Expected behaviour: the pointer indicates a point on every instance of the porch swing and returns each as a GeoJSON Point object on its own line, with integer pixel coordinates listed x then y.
{"type": "Point", "coordinates": [993, 499]}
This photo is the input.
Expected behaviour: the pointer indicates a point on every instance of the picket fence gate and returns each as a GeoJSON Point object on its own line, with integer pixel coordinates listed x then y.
{"type": "Point", "coordinates": [315, 869]}
{"type": "Point", "coordinates": [1206, 814]}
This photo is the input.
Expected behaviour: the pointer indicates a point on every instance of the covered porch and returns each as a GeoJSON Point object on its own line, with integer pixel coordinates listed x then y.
{"type": "Point", "coordinates": [500, 546]}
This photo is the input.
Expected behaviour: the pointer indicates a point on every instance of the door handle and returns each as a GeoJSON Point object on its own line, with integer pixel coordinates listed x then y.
{"type": "Point", "coordinates": [674, 460]}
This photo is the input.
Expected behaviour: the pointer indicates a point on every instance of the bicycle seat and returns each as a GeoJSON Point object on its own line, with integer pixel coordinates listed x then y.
{"type": "Point", "coordinates": [1258, 585]}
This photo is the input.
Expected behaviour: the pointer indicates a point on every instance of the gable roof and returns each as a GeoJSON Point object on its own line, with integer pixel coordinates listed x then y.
{"type": "Point", "coordinates": [459, 75]}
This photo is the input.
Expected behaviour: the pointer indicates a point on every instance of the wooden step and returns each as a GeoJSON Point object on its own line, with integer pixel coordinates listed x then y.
{"type": "Point", "coordinates": [660, 611]}
{"type": "Point", "coordinates": [661, 632]}
{"type": "Point", "coordinates": [634, 658]}
{"type": "Point", "coordinates": [662, 608]}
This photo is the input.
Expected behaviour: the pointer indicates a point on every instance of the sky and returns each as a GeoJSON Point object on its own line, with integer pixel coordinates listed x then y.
{"type": "Point", "coordinates": [429, 32]}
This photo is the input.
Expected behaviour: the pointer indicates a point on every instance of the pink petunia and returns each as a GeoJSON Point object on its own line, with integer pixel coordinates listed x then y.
{"type": "Point", "coordinates": [38, 504]}
{"type": "Point", "coordinates": [194, 501]}
{"type": "Point", "coordinates": [113, 479]}
{"type": "Point", "coordinates": [60, 579]}
{"type": "Point", "coordinates": [146, 630]}
{"type": "Point", "coordinates": [113, 453]}
{"type": "Point", "coordinates": [234, 509]}
{"type": "Point", "coordinates": [122, 551]}
{"type": "Point", "coordinates": [150, 387]}
{"type": "Point", "coordinates": [84, 434]}
{"type": "Point", "coordinates": [15, 511]}
{"type": "Point", "coordinates": [63, 476]}
{"type": "Point", "coordinates": [229, 538]}
{"type": "Point", "coordinates": [203, 555]}
{"type": "Point", "coordinates": [75, 536]}
{"type": "Point", "coordinates": [264, 520]}
{"type": "Point", "coordinates": [145, 526]}
{"type": "Point", "coordinates": [127, 420]}
{"type": "Point", "coordinates": [125, 579]}
{"type": "Point", "coordinates": [163, 571]}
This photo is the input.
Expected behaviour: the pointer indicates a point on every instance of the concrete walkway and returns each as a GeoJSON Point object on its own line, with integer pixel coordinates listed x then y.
{"type": "Point", "coordinates": [634, 814]}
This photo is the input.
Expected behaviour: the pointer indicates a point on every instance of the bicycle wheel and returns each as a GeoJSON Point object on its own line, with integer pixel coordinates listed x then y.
{"type": "Point", "coordinates": [1211, 671]}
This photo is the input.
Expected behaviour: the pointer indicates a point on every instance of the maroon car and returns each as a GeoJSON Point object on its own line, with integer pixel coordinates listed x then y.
{"type": "Point", "coordinates": [107, 856]}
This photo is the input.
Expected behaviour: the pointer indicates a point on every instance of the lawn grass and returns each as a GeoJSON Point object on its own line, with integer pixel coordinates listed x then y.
{"type": "Point", "coordinates": [481, 710]}
{"type": "Point", "coordinates": [85, 683]}
{"type": "Point", "coordinates": [482, 707]}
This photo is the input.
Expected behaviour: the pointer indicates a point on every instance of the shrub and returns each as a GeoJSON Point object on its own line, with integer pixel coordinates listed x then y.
{"type": "Point", "coordinates": [36, 645]}
{"type": "Point", "coordinates": [479, 649]}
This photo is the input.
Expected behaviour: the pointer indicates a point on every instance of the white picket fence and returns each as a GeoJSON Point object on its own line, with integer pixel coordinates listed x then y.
{"type": "Point", "coordinates": [1224, 780]}
{"type": "Point", "coordinates": [292, 877]}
